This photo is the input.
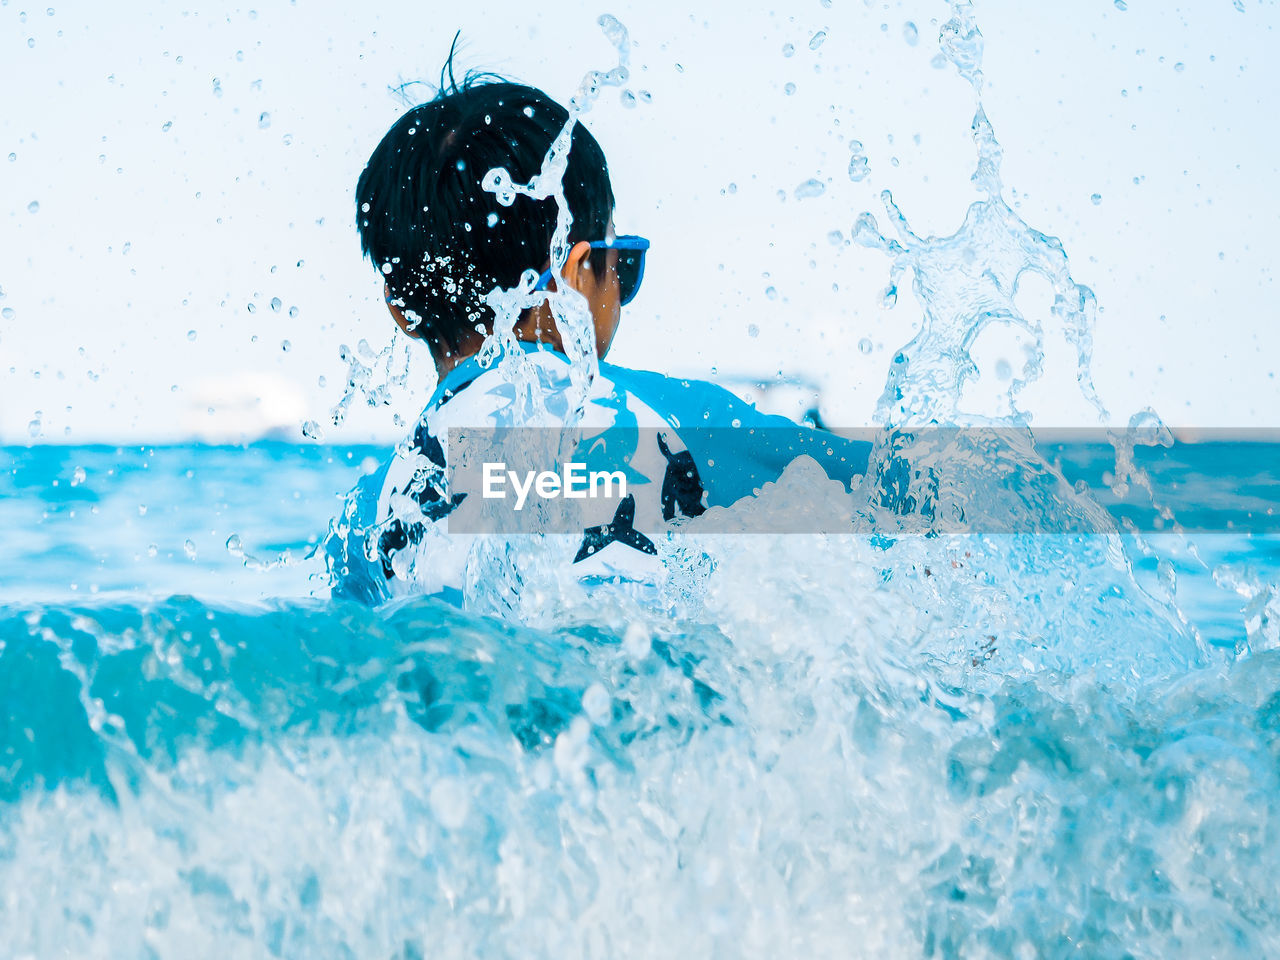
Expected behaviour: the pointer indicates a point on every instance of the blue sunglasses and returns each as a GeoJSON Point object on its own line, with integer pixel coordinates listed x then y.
{"type": "Point", "coordinates": [631, 250]}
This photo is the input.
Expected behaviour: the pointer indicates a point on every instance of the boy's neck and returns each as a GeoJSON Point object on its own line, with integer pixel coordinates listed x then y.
{"type": "Point", "coordinates": [528, 330]}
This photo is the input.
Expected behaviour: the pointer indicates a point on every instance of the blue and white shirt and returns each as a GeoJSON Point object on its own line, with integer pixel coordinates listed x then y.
{"type": "Point", "coordinates": [392, 538]}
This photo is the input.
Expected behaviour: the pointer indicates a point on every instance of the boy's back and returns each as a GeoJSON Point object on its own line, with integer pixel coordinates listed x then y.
{"type": "Point", "coordinates": [684, 445]}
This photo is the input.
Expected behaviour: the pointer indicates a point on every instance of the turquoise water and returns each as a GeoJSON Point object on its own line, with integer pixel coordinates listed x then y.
{"type": "Point", "coordinates": [828, 743]}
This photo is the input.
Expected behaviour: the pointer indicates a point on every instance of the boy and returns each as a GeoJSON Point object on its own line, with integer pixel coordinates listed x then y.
{"type": "Point", "coordinates": [442, 242]}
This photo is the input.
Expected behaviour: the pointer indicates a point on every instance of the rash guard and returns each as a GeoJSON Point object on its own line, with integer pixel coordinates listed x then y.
{"type": "Point", "coordinates": [700, 447]}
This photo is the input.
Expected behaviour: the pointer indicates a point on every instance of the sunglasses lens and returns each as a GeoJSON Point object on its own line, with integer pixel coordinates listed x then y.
{"type": "Point", "coordinates": [630, 271]}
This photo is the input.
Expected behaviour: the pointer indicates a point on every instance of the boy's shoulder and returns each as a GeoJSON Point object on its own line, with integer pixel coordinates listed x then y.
{"type": "Point", "coordinates": [481, 393]}
{"type": "Point", "coordinates": [683, 401]}
{"type": "Point", "coordinates": [735, 447]}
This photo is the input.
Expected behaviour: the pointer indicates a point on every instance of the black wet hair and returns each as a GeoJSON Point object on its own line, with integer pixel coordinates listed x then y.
{"type": "Point", "coordinates": [441, 241]}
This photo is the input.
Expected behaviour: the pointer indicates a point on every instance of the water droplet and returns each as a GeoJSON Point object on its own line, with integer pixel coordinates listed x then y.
{"type": "Point", "coordinates": [142, 509]}
{"type": "Point", "coordinates": [77, 476]}
{"type": "Point", "coordinates": [1179, 67]}
{"type": "Point", "coordinates": [33, 206]}
{"type": "Point", "coordinates": [8, 313]}
{"type": "Point", "coordinates": [217, 87]}
{"type": "Point", "coordinates": [788, 50]}
{"type": "Point", "coordinates": [858, 167]}
{"type": "Point", "coordinates": [31, 42]}
{"type": "Point", "coordinates": [1004, 370]}
{"type": "Point", "coordinates": [864, 345]}
{"type": "Point", "coordinates": [264, 120]}
{"type": "Point", "coordinates": [312, 431]}
{"type": "Point", "coordinates": [364, 208]}
{"type": "Point", "coordinates": [628, 99]}
{"type": "Point", "coordinates": [34, 427]}
{"type": "Point", "coordinates": [286, 346]}
{"type": "Point", "coordinates": [1239, 5]}
{"type": "Point", "coordinates": [152, 550]}
{"type": "Point", "coordinates": [817, 39]}
{"type": "Point", "coordinates": [189, 549]}
{"type": "Point", "coordinates": [771, 293]}
{"type": "Point", "coordinates": [810, 188]}
{"type": "Point", "coordinates": [275, 304]}
{"type": "Point", "coordinates": [251, 307]}
{"type": "Point", "coordinates": [293, 312]}
{"type": "Point", "coordinates": [890, 296]}
{"type": "Point", "coordinates": [1096, 198]}
{"type": "Point", "coordinates": [322, 381]}
{"type": "Point", "coordinates": [835, 238]}
{"type": "Point", "coordinates": [1121, 5]}
{"type": "Point", "coordinates": [191, 334]}
{"type": "Point", "coordinates": [234, 546]}
{"type": "Point", "coordinates": [12, 157]}
{"type": "Point", "coordinates": [753, 330]}
{"type": "Point", "coordinates": [789, 89]}
{"type": "Point", "coordinates": [491, 220]}
{"type": "Point", "coordinates": [910, 33]}
{"type": "Point", "coordinates": [166, 126]}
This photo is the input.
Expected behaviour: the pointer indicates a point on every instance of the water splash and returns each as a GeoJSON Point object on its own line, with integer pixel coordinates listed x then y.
{"type": "Point", "coordinates": [279, 773]}
{"type": "Point", "coordinates": [572, 316]}
{"type": "Point", "coordinates": [969, 280]}
{"type": "Point", "coordinates": [375, 376]}
{"type": "Point", "coordinates": [964, 284]}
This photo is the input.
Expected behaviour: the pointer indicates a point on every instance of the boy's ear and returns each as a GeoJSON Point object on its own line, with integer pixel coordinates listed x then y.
{"type": "Point", "coordinates": [577, 265]}
{"type": "Point", "coordinates": [398, 315]}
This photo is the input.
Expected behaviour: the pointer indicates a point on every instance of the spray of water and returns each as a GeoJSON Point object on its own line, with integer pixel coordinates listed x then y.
{"type": "Point", "coordinates": [969, 280]}
{"type": "Point", "coordinates": [572, 316]}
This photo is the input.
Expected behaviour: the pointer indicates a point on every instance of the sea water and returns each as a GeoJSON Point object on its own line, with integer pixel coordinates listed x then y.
{"type": "Point", "coordinates": [906, 744]}
{"type": "Point", "coordinates": [839, 749]}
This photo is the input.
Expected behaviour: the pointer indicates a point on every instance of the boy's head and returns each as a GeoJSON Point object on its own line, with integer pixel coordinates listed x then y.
{"type": "Point", "coordinates": [442, 242]}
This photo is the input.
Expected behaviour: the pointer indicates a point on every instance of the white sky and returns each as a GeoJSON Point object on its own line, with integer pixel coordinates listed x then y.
{"type": "Point", "coordinates": [191, 159]}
